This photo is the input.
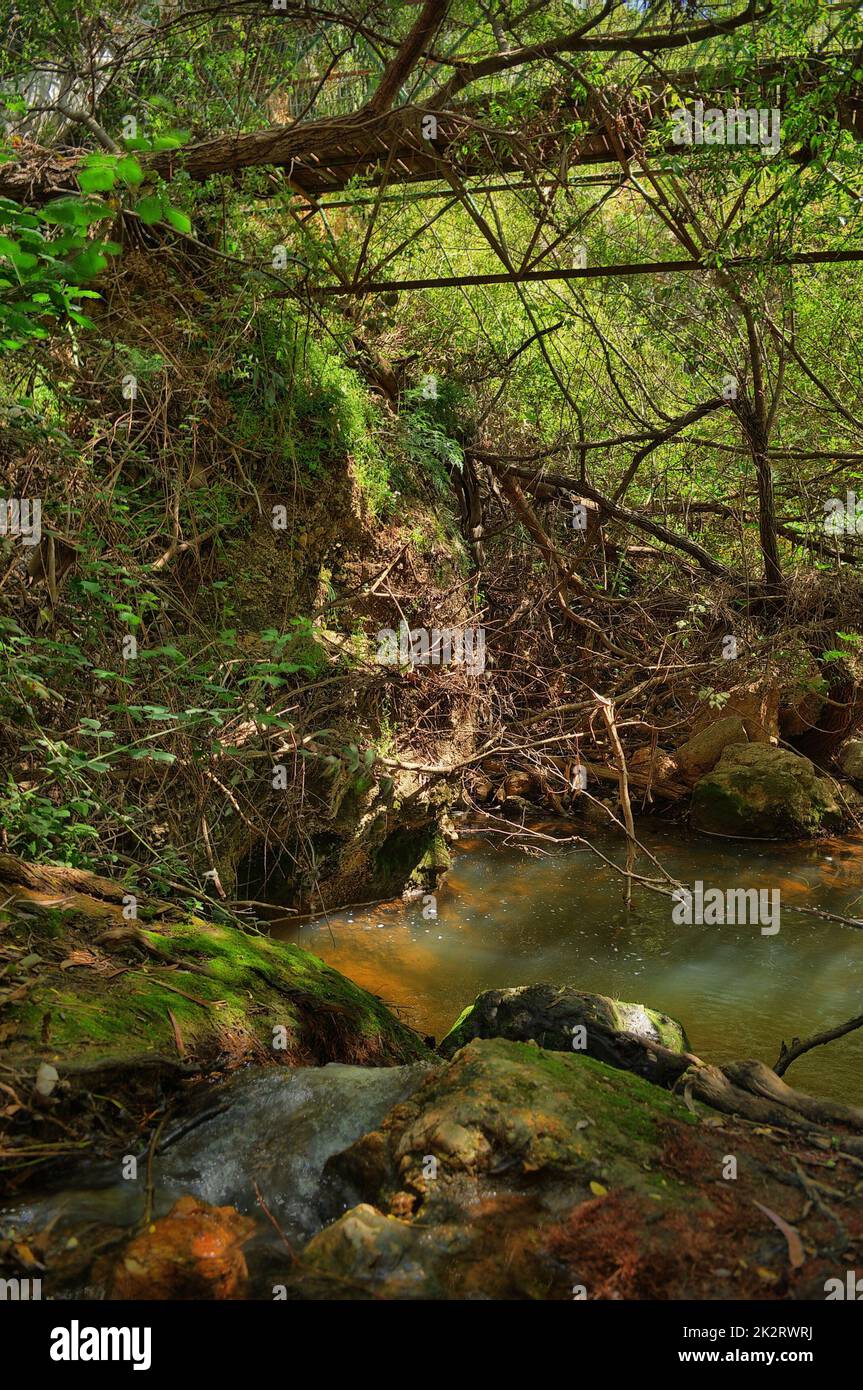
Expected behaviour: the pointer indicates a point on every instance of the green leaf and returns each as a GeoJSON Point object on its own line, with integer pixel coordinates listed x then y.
{"type": "Point", "coordinates": [11, 251]}
{"type": "Point", "coordinates": [130, 171]}
{"type": "Point", "coordinates": [98, 179]}
{"type": "Point", "coordinates": [171, 141]}
{"type": "Point", "coordinates": [89, 263]}
{"type": "Point", "coordinates": [178, 220]}
{"type": "Point", "coordinates": [74, 212]}
{"type": "Point", "coordinates": [149, 210]}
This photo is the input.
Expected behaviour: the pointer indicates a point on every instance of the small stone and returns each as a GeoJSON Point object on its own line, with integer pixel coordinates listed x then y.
{"type": "Point", "coordinates": [46, 1079]}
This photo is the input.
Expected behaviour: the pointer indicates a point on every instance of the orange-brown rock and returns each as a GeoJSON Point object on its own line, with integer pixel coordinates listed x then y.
{"type": "Point", "coordinates": [195, 1252]}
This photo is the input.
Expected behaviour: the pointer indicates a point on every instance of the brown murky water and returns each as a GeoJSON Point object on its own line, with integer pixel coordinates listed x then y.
{"type": "Point", "coordinates": [508, 918]}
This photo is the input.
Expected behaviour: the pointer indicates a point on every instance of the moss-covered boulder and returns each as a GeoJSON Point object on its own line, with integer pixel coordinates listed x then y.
{"type": "Point", "coordinates": [851, 760]}
{"type": "Point", "coordinates": [761, 792]}
{"type": "Point", "coordinates": [561, 1019]}
{"type": "Point", "coordinates": [86, 993]}
{"type": "Point", "coordinates": [471, 1166]}
{"type": "Point", "coordinates": [515, 1172]}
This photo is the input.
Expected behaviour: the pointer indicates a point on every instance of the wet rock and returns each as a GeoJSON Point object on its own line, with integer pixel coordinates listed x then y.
{"type": "Point", "coordinates": [596, 811]}
{"type": "Point", "coordinates": [549, 1015]}
{"type": "Point", "coordinates": [519, 1173]}
{"type": "Point", "coordinates": [195, 1252]}
{"type": "Point", "coordinates": [272, 1131]}
{"type": "Point", "coordinates": [481, 789]}
{"type": "Point", "coordinates": [494, 1150]}
{"type": "Point", "coordinates": [365, 1249]}
{"type": "Point", "coordinates": [760, 792]}
{"type": "Point", "coordinates": [519, 784]}
{"type": "Point", "coordinates": [702, 752]}
{"type": "Point", "coordinates": [851, 760]}
{"type": "Point", "coordinates": [517, 808]}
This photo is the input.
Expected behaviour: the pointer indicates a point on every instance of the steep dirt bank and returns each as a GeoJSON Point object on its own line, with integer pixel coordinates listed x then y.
{"type": "Point", "coordinates": [190, 673]}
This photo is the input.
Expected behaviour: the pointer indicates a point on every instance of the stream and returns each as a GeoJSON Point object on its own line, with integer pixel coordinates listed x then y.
{"type": "Point", "coordinates": [506, 917]}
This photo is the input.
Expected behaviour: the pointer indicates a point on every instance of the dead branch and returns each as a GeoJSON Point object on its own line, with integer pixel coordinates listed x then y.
{"type": "Point", "coordinates": [787, 1055]}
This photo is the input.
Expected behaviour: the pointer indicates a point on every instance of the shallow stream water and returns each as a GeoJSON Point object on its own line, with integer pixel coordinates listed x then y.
{"type": "Point", "coordinates": [506, 917]}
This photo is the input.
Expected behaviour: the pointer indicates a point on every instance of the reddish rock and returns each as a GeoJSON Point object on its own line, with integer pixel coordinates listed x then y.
{"type": "Point", "coordinates": [195, 1252]}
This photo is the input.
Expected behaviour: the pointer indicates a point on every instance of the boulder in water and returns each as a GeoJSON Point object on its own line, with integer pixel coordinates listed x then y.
{"type": "Point", "coordinates": [562, 1019]}
{"type": "Point", "coordinates": [760, 792]}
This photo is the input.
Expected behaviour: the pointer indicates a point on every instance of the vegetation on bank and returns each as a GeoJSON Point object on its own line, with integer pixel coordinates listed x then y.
{"type": "Point", "coordinates": [252, 456]}
{"type": "Point", "coordinates": [95, 1003]}
{"type": "Point", "coordinates": [317, 327]}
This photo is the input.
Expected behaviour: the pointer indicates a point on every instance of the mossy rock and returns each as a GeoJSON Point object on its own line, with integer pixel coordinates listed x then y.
{"type": "Point", "coordinates": [757, 791]}
{"type": "Point", "coordinates": [454, 1194]}
{"type": "Point", "coordinates": [94, 990]}
{"type": "Point", "coordinates": [412, 859]}
{"type": "Point", "coordinates": [548, 1015]}
{"type": "Point", "coordinates": [851, 760]}
{"type": "Point", "coordinates": [514, 1172]}
{"type": "Point", "coordinates": [502, 1103]}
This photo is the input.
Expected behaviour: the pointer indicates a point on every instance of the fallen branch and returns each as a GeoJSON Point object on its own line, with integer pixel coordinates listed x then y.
{"type": "Point", "coordinates": [631, 518]}
{"type": "Point", "coordinates": [787, 1055]}
{"type": "Point", "coordinates": [608, 715]}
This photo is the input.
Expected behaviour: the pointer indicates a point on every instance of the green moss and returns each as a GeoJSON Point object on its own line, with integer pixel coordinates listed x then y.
{"type": "Point", "coordinates": [639, 1019]}
{"type": "Point", "coordinates": [503, 1107]}
{"type": "Point", "coordinates": [459, 1029]}
{"type": "Point", "coordinates": [412, 857]}
{"type": "Point", "coordinates": [760, 791]}
{"type": "Point", "coordinates": [225, 990]}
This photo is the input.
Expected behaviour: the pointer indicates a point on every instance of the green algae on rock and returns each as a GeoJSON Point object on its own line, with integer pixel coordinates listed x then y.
{"type": "Point", "coordinates": [548, 1015]}
{"type": "Point", "coordinates": [762, 792]}
{"type": "Point", "coordinates": [166, 993]}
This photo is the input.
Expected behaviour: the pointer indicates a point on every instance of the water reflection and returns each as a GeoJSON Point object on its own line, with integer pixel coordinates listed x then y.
{"type": "Point", "coordinates": [508, 918]}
